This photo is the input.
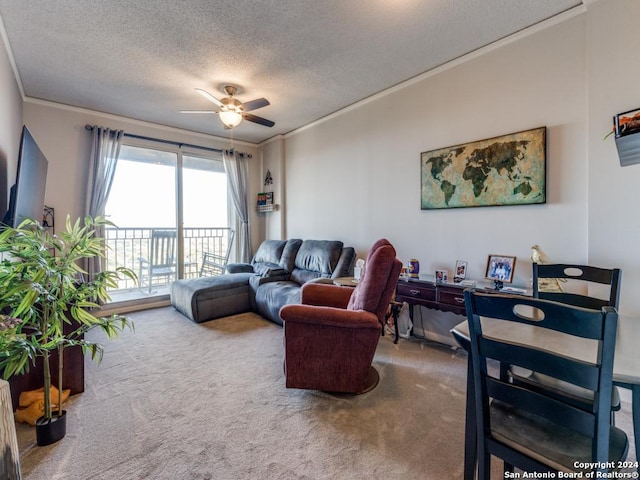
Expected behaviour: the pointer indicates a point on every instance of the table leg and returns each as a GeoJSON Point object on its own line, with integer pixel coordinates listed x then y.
{"type": "Point", "coordinates": [470, 439]}
{"type": "Point", "coordinates": [635, 414]}
{"type": "Point", "coordinates": [395, 311]}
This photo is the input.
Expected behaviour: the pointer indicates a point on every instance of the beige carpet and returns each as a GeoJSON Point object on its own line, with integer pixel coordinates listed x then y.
{"type": "Point", "coordinates": [178, 400]}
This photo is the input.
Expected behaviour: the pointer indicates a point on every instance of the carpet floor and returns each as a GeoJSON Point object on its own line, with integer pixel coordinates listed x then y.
{"type": "Point", "coordinates": [179, 400]}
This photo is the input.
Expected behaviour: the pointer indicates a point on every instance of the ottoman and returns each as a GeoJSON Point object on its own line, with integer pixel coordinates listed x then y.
{"type": "Point", "coordinates": [206, 298]}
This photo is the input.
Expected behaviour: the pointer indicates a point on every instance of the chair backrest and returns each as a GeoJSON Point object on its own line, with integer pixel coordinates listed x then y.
{"type": "Point", "coordinates": [316, 259]}
{"type": "Point", "coordinates": [378, 281]}
{"type": "Point", "coordinates": [582, 273]}
{"type": "Point", "coordinates": [526, 341]}
{"type": "Point", "coordinates": [214, 264]}
{"type": "Point", "coordinates": [162, 250]}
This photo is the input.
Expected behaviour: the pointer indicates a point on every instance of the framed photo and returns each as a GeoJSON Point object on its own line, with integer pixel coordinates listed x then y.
{"type": "Point", "coordinates": [460, 272]}
{"type": "Point", "coordinates": [627, 122]}
{"type": "Point", "coordinates": [442, 276]}
{"type": "Point", "coordinates": [269, 198]}
{"type": "Point", "coordinates": [500, 268]}
{"type": "Point", "coordinates": [505, 170]}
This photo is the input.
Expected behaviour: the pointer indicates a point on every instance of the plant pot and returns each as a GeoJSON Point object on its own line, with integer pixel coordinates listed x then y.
{"type": "Point", "coordinates": [50, 431]}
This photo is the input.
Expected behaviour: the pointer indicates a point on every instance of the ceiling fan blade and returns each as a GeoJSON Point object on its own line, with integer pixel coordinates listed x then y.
{"type": "Point", "coordinates": [255, 104]}
{"type": "Point", "coordinates": [255, 119]}
{"type": "Point", "coordinates": [209, 97]}
{"type": "Point", "coordinates": [199, 111]}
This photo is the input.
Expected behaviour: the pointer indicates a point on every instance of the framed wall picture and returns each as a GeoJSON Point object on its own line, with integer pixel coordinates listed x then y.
{"type": "Point", "coordinates": [500, 269]}
{"type": "Point", "coordinates": [460, 271]}
{"type": "Point", "coordinates": [627, 123]}
{"type": "Point", "coordinates": [505, 170]}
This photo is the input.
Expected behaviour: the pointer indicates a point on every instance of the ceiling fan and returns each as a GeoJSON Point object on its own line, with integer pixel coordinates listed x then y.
{"type": "Point", "coordinates": [231, 110]}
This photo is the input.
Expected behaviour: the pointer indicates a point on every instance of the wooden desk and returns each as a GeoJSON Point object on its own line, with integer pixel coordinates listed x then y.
{"type": "Point", "coordinates": [626, 367]}
{"type": "Point", "coordinates": [446, 297]}
{"type": "Point", "coordinates": [345, 281]}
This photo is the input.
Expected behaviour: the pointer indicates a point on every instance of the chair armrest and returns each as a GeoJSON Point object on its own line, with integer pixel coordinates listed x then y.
{"type": "Point", "coordinates": [256, 280]}
{"type": "Point", "coordinates": [279, 273]}
{"type": "Point", "coordinates": [239, 268]}
{"type": "Point", "coordinates": [323, 294]}
{"type": "Point", "coordinates": [329, 316]}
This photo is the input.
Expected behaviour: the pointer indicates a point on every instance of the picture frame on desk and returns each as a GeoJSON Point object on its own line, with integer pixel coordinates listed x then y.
{"type": "Point", "coordinates": [461, 271]}
{"type": "Point", "coordinates": [500, 269]}
{"type": "Point", "coordinates": [442, 276]}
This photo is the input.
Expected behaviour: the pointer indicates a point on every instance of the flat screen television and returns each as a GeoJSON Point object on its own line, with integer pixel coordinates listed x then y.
{"type": "Point", "coordinates": [26, 198]}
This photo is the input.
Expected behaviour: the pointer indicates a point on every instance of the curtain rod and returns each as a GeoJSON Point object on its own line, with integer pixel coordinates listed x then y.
{"type": "Point", "coordinates": [170, 142]}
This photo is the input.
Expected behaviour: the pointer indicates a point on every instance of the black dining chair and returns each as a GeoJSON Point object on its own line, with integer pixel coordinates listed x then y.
{"type": "Point", "coordinates": [527, 428]}
{"type": "Point", "coordinates": [550, 282]}
{"type": "Point", "coordinates": [586, 275]}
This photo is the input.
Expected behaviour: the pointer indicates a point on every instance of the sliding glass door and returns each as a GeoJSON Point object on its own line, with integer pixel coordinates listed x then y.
{"type": "Point", "coordinates": [207, 237]}
{"type": "Point", "coordinates": [170, 209]}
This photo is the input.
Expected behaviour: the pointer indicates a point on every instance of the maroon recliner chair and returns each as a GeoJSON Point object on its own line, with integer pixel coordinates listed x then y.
{"type": "Point", "coordinates": [330, 339]}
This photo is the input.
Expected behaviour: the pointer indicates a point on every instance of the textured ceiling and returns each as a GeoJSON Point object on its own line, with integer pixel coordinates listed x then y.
{"type": "Point", "coordinates": [143, 59]}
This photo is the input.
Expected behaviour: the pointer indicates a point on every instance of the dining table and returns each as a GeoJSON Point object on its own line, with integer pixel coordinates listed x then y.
{"type": "Point", "coordinates": [626, 366]}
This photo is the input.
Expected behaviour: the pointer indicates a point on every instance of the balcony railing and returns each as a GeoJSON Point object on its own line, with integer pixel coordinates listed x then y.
{"type": "Point", "coordinates": [126, 246]}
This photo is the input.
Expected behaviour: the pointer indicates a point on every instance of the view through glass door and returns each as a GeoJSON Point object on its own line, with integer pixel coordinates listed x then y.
{"type": "Point", "coordinates": [152, 189]}
{"type": "Point", "coordinates": [207, 238]}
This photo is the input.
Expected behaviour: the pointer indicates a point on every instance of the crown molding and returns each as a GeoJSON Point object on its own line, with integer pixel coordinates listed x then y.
{"type": "Point", "coordinates": [142, 123]}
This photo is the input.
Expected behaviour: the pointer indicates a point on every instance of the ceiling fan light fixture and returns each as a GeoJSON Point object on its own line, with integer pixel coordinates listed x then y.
{"type": "Point", "coordinates": [230, 118]}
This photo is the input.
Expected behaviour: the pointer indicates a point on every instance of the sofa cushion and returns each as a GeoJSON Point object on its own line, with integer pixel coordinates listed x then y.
{"type": "Point", "coordinates": [269, 252]}
{"type": "Point", "coordinates": [206, 298]}
{"type": "Point", "coordinates": [270, 297]}
{"type": "Point", "coordinates": [316, 258]}
{"type": "Point", "coordinates": [289, 254]}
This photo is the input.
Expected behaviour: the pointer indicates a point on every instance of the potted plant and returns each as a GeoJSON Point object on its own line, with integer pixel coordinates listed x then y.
{"type": "Point", "coordinates": [42, 287]}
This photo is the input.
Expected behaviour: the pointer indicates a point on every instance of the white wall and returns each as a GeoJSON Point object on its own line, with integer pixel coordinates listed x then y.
{"type": "Point", "coordinates": [273, 161]}
{"type": "Point", "coordinates": [614, 191]}
{"type": "Point", "coordinates": [10, 125]}
{"type": "Point", "coordinates": [61, 134]}
{"type": "Point", "coordinates": [357, 175]}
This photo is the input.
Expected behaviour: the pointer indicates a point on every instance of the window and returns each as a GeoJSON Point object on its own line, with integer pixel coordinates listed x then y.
{"type": "Point", "coordinates": [156, 191]}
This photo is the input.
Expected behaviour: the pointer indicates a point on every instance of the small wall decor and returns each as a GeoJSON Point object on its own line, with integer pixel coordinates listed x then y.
{"type": "Point", "coordinates": [500, 269]}
{"type": "Point", "coordinates": [626, 127]}
{"type": "Point", "coordinates": [268, 179]}
{"type": "Point", "coordinates": [460, 271]}
{"type": "Point", "coordinates": [505, 170]}
{"type": "Point", "coordinates": [627, 123]}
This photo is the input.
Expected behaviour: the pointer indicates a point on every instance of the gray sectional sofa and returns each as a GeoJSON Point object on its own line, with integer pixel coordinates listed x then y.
{"type": "Point", "coordinates": [272, 279]}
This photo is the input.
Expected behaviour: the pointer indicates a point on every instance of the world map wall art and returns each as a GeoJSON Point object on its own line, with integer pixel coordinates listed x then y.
{"type": "Point", "coordinates": [506, 170]}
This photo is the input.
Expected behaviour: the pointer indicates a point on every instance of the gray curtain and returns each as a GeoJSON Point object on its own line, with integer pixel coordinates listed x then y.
{"type": "Point", "coordinates": [237, 170]}
{"type": "Point", "coordinates": [105, 149]}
